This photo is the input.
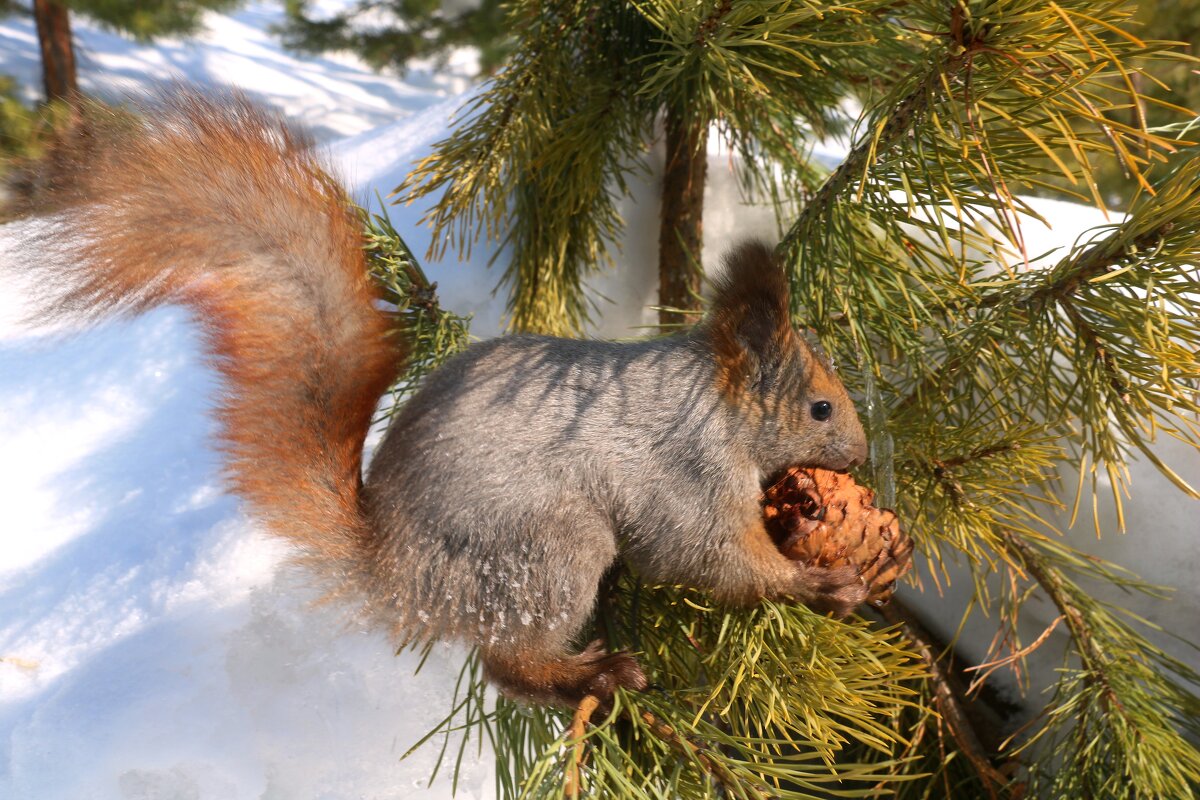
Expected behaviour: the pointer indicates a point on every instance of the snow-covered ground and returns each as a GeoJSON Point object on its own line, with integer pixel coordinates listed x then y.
{"type": "Point", "coordinates": [334, 95]}
{"type": "Point", "coordinates": [151, 647]}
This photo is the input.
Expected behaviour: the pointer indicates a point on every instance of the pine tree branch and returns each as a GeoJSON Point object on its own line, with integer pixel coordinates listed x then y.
{"type": "Point", "coordinates": [1121, 719]}
{"type": "Point", "coordinates": [1053, 585]}
{"type": "Point", "coordinates": [1073, 273]}
{"type": "Point", "coordinates": [899, 123]}
{"type": "Point", "coordinates": [904, 115]}
{"type": "Point", "coordinates": [700, 755]}
{"type": "Point", "coordinates": [433, 333]}
{"type": "Point", "coordinates": [1067, 278]}
{"type": "Point", "coordinates": [948, 701]}
{"type": "Point", "coordinates": [583, 715]}
{"type": "Point", "coordinates": [1092, 343]}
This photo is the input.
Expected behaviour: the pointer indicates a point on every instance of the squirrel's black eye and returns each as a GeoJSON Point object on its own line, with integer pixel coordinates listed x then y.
{"type": "Point", "coordinates": [822, 410]}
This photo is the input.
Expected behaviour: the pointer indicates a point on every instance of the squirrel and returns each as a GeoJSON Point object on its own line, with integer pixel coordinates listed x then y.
{"type": "Point", "coordinates": [521, 470]}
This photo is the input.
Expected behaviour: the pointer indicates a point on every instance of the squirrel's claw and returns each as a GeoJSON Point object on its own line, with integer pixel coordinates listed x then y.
{"type": "Point", "coordinates": [836, 591]}
{"type": "Point", "coordinates": [616, 671]}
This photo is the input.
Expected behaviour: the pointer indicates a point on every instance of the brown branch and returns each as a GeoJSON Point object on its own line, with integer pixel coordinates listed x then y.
{"type": "Point", "coordinates": [1093, 656]}
{"type": "Point", "coordinates": [713, 21]}
{"type": "Point", "coordinates": [583, 715]}
{"type": "Point", "coordinates": [1091, 339]}
{"type": "Point", "coordinates": [699, 754]}
{"type": "Point", "coordinates": [948, 702]}
{"type": "Point", "coordinates": [1091, 263]}
{"type": "Point", "coordinates": [979, 453]}
{"type": "Point", "coordinates": [991, 666]}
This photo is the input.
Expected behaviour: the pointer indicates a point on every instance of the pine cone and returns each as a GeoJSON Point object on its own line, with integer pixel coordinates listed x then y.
{"type": "Point", "coordinates": [825, 519]}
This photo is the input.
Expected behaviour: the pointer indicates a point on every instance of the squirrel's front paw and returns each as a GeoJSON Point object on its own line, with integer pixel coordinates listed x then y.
{"type": "Point", "coordinates": [837, 590]}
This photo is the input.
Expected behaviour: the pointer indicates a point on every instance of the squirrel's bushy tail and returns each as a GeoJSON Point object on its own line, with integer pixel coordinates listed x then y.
{"type": "Point", "coordinates": [217, 205]}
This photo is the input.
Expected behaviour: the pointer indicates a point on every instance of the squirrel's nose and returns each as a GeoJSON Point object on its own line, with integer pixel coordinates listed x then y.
{"type": "Point", "coordinates": [858, 455]}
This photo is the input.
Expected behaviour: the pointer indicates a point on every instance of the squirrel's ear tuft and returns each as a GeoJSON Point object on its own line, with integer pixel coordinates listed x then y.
{"type": "Point", "coordinates": [749, 321]}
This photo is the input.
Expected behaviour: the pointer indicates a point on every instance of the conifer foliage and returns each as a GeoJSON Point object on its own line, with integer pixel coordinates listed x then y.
{"type": "Point", "coordinates": [987, 371]}
{"type": "Point", "coordinates": [390, 33]}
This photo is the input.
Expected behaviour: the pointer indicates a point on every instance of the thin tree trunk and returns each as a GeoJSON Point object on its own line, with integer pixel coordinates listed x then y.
{"type": "Point", "coordinates": [681, 232]}
{"type": "Point", "coordinates": [58, 51]}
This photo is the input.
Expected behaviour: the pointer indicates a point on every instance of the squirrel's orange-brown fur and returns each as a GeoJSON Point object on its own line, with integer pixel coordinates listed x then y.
{"type": "Point", "coordinates": [200, 204]}
{"type": "Point", "coordinates": [522, 469]}
{"type": "Point", "coordinates": [750, 304]}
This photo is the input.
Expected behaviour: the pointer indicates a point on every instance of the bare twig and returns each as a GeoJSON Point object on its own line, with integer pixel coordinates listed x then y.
{"type": "Point", "coordinates": [991, 666]}
{"type": "Point", "coordinates": [948, 703]}
{"type": "Point", "coordinates": [1091, 653]}
{"type": "Point", "coordinates": [583, 715]}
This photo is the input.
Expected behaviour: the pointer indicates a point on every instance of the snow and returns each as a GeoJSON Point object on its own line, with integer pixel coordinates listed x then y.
{"type": "Point", "coordinates": [333, 95]}
{"type": "Point", "coordinates": [153, 646]}
{"type": "Point", "coordinates": [149, 637]}
{"type": "Point", "coordinates": [152, 643]}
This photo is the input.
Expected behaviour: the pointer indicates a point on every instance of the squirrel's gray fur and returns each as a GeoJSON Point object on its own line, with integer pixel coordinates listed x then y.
{"type": "Point", "coordinates": [525, 467]}
{"type": "Point", "coordinates": [522, 469]}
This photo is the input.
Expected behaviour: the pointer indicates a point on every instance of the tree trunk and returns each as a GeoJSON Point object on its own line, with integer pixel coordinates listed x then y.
{"type": "Point", "coordinates": [681, 232]}
{"type": "Point", "coordinates": [58, 51]}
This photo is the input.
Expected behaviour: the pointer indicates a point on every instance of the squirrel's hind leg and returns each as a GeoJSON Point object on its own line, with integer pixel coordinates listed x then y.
{"type": "Point", "coordinates": [563, 680]}
{"type": "Point", "coordinates": [539, 605]}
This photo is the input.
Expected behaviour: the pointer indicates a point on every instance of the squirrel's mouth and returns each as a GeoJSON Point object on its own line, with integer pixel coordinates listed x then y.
{"type": "Point", "coordinates": [834, 462]}
{"type": "Point", "coordinates": [776, 477]}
